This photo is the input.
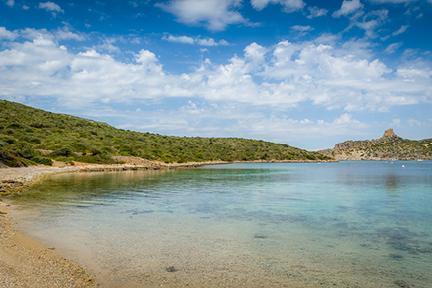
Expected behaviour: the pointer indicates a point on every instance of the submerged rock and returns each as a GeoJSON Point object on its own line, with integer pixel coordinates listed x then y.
{"type": "Point", "coordinates": [395, 256]}
{"type": "Point", "coordinates": [402, 284]}
{"type": "Point", "coordinates": [171, 269]}
{"type": "Point", "coordinates": [260, 236]}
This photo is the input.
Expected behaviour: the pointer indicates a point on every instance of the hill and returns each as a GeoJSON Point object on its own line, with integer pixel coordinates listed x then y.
{"type": "Point", "coordinates": [30, 136]}
{"type": "Point", "coordinates": [388, 147]}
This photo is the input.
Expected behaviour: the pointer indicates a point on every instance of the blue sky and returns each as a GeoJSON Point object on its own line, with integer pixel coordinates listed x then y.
{"type": "Point", "coordinates": [307, 73]}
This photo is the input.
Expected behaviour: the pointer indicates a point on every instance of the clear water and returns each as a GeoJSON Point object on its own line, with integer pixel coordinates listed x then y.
{"type": "Point", "coordinates": [346, 224]}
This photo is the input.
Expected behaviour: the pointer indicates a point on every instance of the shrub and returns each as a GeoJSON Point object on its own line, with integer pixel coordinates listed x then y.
{"type": "Point", "coordinates": [64, 152]}
{"type": "Point", "coordinates": [10, 159]}
{"type": "Point", "coordinates": [8, 139]}
{"type": "Point", "coordinates": [42, 160]}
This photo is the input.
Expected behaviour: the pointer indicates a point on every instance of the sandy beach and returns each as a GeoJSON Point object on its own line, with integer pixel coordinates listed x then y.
{"type": "Point", "coordinates": [24, 262]}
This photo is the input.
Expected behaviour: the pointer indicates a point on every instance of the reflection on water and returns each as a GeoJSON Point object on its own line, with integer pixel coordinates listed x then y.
{"type": "Point", "coordinates": [347, 224]}
{"type": "Point", "coordinates": [392, 182]}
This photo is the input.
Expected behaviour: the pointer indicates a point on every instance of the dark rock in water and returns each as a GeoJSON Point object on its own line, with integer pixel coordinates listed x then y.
{"type": "Point", "coordinates": [171, 269]}
{"type": "Point", "coordinates": [402, 284]}
{"type": "Point", "coordinates": [260, 236]}
{"type": "Point", "coordinates": [395, 256]}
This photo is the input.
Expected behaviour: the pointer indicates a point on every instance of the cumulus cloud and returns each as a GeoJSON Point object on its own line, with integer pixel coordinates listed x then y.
{"type": "Point", "coordinates": [288, 5]}
{"type": "Point", "coordinates": [284, 75]}
{"type": "Point", "coordinates": [209, 42]}
{"type": "Point", "coordinates": [197, 118]}
{"type": "Point", "coordinates": [51, 7]}
{"type": "Point", "coordinates": [214, 14]}
{"type": "Point", "coordinates": [10, 3]}
{"type": "Point", "coordinates": [348, 7]}
{"type": "Point", "coordinates": [315, 12]}
{"type": "Point", "coordinates": [66, 34]}
{"type": "Point", "coordinates": [6, 34]}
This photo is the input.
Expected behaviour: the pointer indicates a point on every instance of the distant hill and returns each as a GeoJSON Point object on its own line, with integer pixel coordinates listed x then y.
{"type": "Point", "coordinates": [389, 146]}
{"type": "Point", "coordinates": [29, 136]}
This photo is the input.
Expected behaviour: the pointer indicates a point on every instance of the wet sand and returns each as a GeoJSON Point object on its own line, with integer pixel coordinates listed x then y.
{"type": "Point", "coordinates": [26, 263]}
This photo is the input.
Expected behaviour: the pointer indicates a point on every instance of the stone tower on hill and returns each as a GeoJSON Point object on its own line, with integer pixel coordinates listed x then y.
{"type": "Point", "coordinates": [389, 133]}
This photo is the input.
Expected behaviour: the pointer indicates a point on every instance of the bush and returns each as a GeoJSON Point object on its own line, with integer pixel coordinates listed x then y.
{"type": "Point", "coordinates": [8, 158]}
{"type": "Point", "coordinates": [24, 150]}
{"type": "Point", "coordinates": [8, 139]}
{"type": "Point", "coordinates": [42, 160]}
{"type": "Point", "coordinates": [64, 152]}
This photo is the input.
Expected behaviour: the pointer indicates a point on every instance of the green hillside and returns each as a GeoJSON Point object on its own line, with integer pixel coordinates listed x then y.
{"type": "Point", "coordinates": [388, 147]}
{"type": "Point", "coordinates": [29, 136]}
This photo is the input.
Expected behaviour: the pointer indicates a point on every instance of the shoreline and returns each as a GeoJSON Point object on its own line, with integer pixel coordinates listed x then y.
{"type": "Point", "coordinates": [24, 261]}
{"type": "Point", "coordinates": [17, 179]}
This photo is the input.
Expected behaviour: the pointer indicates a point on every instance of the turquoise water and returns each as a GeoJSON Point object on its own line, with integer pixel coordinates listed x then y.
{"type": "Point", "coordinates": [346, 224]}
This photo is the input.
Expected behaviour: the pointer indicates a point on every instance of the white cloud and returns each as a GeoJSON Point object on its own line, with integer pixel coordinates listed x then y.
{"type": "Point", "coordinates": [51, 7]}
{"type": "Point", "coordinates": [348, 7]}
{"type": "Point", "coordinates": [284, 75]}
{"type": "Point", "coordinates": [392, 1]}
{"type": "Point", "coordinates": [288, 5]}
{"type": "Point", "coordinates": [370, 22]}
{"type": "Point", "coordinates": [66, 34]}
{"type": "Point", "coordinates": [315, 12]}
{"type": "Point", "coordinates": [214, 14]}
{"type": "Point", "coordinates": [6, 34]}
{"type": "Point", "coordinates": [301, 28]}
{"type": "Point", "coordinates": [10, 3]}
{"type": "Point", "coordinates": [179, 39]}
{"type": "Point", "coordinates": [255, 54]}
{"type": "Point", "coordinates": [195, 40]}
{"type": "Point", "coordinates": [392, 48]}
{"type": "Point", "coordinates": [228, 120]}
{"type": "Point", "coordinates": [401, 30]}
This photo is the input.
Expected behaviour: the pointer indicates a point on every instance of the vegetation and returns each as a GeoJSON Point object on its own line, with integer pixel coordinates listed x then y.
{"type": "Point", "coordinates": [30, 136]}
{"type": "Point", "coordinates": [390, 146]}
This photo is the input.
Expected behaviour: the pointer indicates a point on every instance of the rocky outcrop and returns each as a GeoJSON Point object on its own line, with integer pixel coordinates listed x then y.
{"type": "Point", "coordinates": [389, 133]}
{"type": "Point", "coordinates": [389, 147]}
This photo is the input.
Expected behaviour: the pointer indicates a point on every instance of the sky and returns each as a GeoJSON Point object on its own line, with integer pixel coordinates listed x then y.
{"type": "Point", "coordinates": [303, 72]}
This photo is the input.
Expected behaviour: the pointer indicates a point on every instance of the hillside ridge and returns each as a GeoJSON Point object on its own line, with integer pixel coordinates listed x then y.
{"type": "Point", "coordinates": [388, 147]}
{"type": "Point", "coordinates": [31, 136]}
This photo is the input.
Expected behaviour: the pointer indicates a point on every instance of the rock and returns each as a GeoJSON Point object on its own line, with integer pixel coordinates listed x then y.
{"type": "Point", "coordinates": [260, 236]}
{"type": "Point", "coordinates": [389, 133]}
{"type": "Point", "coordinates": [402, 284]}
{"type": "Point", "coordinates": [170, 269]}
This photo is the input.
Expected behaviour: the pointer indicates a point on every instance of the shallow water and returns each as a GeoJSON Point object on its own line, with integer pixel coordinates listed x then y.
{"type": "Point", "coordinates": [346, 224]}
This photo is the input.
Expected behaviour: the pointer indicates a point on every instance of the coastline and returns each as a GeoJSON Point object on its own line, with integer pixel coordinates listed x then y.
{"type": "Point", "coordinates": [15, 180]}
{"type": "Point", "coordinates": [24, 262]}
